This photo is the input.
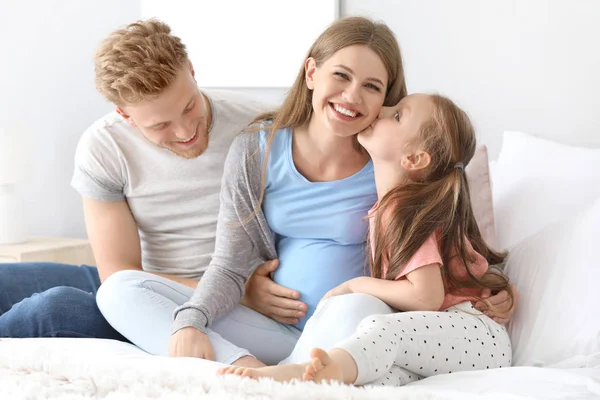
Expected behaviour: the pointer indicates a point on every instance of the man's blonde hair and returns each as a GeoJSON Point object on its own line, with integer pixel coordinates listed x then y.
{"type": "Point", "coordinates": [138, 62]}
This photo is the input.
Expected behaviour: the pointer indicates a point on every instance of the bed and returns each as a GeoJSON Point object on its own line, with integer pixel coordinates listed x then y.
{"type": "Point", "coordinates": [546, 213]}
{"type": "Point", "coordinates": [104, 369]}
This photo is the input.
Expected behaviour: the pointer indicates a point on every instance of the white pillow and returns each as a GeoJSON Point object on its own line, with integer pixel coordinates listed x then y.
{"type": "Point", "coordinates": [557, 272]}
{"type": "Point", "coordinates": [537, 182]}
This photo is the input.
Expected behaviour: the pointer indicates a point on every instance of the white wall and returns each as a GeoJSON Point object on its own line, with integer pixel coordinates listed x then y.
{"type": "Point", "coordinates": [226, 40]}
{"type": "Point", "coordinates": [512, 64]}
{"type": "Point", "coordinates": [48, 98]}
{"type": "Point", "coordinates": [531, 65]}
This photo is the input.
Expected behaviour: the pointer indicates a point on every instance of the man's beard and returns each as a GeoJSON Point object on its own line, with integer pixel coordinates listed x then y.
{"type": "Point", "coordinates": [198, 148]}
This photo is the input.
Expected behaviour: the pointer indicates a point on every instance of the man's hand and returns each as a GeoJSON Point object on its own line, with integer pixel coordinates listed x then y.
{"type": "Point", "coordinates": [503, 309]}
{"type": "Point", "coordinates": [190, 342]}
{"type": "Point", "coordinates": [270, 299]}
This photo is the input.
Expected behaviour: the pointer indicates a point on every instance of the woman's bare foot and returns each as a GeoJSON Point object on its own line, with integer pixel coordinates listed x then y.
{"type": "Point", "coordinates": [248, 361]}
{"type": "Point", "coordinates": [232, 370]}
{"type": "Point", "coordinates": [322, 368]}
{"type": "Point", "coordinates": [240, 365]}
{"type": "Point", "coordinates": [281, 373]}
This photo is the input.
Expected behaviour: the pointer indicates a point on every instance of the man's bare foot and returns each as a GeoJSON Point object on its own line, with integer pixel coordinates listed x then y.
{"type": "Point", "coordinates": [322, 368]}
{"type": "Point", "coordinates": [281, 373]}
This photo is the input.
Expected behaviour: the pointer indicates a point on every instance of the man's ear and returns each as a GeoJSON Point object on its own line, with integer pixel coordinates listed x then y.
{"type": "Point", "coordinates": [123, 114]}
{"type": "Point", "coordinates": [192, 69]}
{"type": "Point", "coordinates": [417, 161]}
{"type": "Point", "coordinates": [310, 66]}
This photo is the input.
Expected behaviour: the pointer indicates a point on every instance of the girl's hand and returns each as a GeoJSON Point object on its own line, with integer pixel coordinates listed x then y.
{"type": "Point", "coordinates": [503, 310]}
{"type": "Point", "coordinates": [190, 342]}
{"type": "Point", "coordinates": [344, 288]}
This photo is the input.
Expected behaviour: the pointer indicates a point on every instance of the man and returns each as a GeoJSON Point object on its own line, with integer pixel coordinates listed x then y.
{"type": "Point", "coordinates": [149, 175]}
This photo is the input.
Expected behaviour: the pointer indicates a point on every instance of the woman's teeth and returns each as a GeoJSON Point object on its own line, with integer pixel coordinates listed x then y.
{"type": "Point", "coordinates": [344, 111]}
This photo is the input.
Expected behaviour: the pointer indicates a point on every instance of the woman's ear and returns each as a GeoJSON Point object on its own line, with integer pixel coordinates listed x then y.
{"type": "Point", "coordinates": [310, 66]}
{"type": "Point", "coordinates": [417, 161]}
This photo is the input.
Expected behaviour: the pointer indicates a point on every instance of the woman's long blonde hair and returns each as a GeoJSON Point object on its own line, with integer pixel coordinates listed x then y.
{"type": "Point", "coordinates": [436, 200]}
{"type": "Point", "coordinates": [296, 110]}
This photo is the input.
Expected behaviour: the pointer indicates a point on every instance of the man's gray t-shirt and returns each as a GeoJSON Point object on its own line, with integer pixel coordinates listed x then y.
{"type": "Point", "coordinates": [174, 201]}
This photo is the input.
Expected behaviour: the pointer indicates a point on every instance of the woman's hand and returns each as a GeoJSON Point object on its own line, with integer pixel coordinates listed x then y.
{"type": "Point", "coordinates": [503, 309]}
{"type": "Point", "coordinates": [270, 299]}
{"type": "Point", "coordinates": [190, 342]}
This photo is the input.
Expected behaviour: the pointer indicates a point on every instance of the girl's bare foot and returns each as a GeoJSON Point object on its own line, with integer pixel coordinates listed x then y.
{"type": "Point", "coordinates": [322, 368]}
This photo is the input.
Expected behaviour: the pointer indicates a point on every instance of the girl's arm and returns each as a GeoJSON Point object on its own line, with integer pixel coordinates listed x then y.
{"type": "Point", "coordinates": [422, 290]}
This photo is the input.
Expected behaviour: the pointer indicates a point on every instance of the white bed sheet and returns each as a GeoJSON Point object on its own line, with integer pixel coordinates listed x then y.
{"type": "Point", "coordinates": [104, 369]}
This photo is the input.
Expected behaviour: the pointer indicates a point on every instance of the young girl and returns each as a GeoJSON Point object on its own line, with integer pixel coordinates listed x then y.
{"type": "Point", "coordinates": [422, 237]}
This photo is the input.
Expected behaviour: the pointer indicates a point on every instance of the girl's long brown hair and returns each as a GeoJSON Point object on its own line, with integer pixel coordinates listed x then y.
{"type": "Point", "coordinates": [296, 110]}
{"type": "Point", "coordinates": [436, 200]}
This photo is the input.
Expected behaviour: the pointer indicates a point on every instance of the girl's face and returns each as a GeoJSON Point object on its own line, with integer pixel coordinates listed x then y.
{"type": "Point", "coordinates": [394, 136]}
{"type": "Point", "coordinates": [348, 89]}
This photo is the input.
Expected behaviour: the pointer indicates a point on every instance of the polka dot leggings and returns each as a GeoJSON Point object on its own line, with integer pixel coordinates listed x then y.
{"type": "Point", "coordinates": [396, 349]}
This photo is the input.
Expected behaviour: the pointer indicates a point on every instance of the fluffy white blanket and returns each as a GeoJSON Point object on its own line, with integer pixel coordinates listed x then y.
{"type": "Point", "coordinates": [68, 369]}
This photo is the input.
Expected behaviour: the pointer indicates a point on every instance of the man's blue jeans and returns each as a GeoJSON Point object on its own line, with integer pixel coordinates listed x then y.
{"type": "Point", "coordinates": [51, 300]}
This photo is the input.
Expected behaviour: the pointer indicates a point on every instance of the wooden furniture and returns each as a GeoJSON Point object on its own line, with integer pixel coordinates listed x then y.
{"type": "Point", "coordinates": [49, 249]}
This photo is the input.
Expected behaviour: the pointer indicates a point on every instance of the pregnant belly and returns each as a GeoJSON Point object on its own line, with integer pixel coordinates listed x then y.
{"type": "Point", "coordinates": [313, 268]}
